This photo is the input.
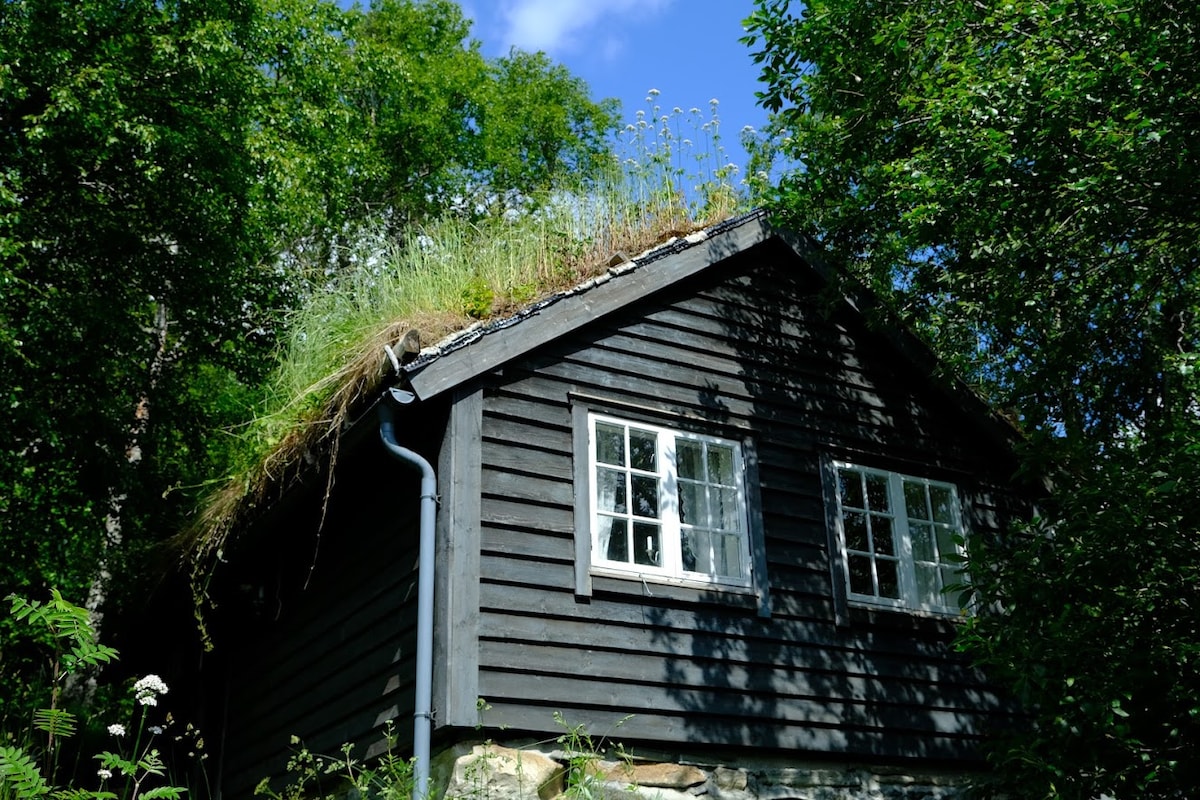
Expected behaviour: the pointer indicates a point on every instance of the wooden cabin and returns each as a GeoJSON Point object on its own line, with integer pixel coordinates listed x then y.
{"type": "Point", "coordinates": [701, 494]}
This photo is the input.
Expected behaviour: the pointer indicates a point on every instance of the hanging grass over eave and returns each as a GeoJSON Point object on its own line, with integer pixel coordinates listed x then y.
{"type": "Point", "coordinates": [441, 279]}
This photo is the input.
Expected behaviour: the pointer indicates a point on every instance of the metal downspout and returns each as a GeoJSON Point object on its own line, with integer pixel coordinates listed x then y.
{"type": "Point", "coordinates": [423, 704]}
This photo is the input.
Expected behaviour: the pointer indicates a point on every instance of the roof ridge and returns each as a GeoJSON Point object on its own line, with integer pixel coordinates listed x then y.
{"type": "Point", "coordinates": [477, 330]}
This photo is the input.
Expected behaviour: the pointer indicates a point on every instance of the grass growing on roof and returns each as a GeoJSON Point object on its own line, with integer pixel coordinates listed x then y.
{"type": "Point", "coordinates": [445, 276]}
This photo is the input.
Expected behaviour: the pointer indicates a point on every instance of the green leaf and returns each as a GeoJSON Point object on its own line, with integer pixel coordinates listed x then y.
{"type": "Point", "coordinates": [20, 775]}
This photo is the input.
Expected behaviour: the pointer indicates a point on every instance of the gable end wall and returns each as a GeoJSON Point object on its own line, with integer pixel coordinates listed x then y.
{"type": "Point", "coordinates": [744, 350]}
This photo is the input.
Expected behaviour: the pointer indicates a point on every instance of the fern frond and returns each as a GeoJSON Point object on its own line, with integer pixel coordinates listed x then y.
{"type": "Point", "coordinates": [55, 721]}
{"type": "Point", "coordinates": [83, 794]}
{"type": "Point", "coordinates": [163, 793]}
{"type": "Point", "coordinates": [20, 775]}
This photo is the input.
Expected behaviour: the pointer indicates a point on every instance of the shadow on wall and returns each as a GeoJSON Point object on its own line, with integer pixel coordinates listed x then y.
{"type": "Point", "coordinates": [887, 685]}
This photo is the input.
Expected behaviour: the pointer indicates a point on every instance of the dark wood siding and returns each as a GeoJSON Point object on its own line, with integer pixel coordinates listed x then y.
{"type": "Point", "coordinates": [744, 350]}
{"type": "Point", "coordinates": [320, 628]}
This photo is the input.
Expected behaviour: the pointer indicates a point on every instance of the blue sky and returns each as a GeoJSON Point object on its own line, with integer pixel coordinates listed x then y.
{"type": "Point", "coordinates": [686, 49]}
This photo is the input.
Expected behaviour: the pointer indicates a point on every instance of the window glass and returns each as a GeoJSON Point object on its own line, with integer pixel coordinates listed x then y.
{"type": "Point", "coordinates": [850, 488]}
{"type": "Point", "coordinates": [647, 543]}
{"type": "Point", "coordinates": [720, 464]}
{"type": "Point", "coordinates": [645, 496]}
{"type": "Point", "coordinates": [690, 458]}
{"type": "Point", "coordinates": [900, 537]}
{"type": "Point", "coordinates": [881, 535]}
{"type": "Point", "coordinates": [877, 493]}
{"type": "Point", "coordinates": [613, 538]}
{"type": "Point", "coordinates": [610, 444]}
{"type": "Point", "coordinates": [643, 450]}
{"type": "Point", "coordinates": [667, 503]}
{"type": "Point", "coordinates": [854, 524]}
{"type": "Point", "coordinates": [610, 490]}
{"type": "Point", "coordinates": [915, 503]}
{"type": "Point", "coordinates": [943, 504]}
{"type": "Point", "coordinates": [889, 578]}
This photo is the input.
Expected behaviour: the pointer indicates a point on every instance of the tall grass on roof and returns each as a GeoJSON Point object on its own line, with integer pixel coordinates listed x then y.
{"type": "Point", "coordinates": [443, 277]}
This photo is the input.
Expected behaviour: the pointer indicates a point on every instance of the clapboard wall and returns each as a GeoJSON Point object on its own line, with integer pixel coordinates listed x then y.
{"type": "Point", "coordinates": [751, 349]}
{"type": "Point", "coordinates": [316, 626]}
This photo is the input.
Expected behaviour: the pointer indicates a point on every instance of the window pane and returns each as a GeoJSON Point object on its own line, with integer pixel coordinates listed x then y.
{"type": "Point", "coordinates": [850, 487]}
{"type": "Point", "coordinates": [692, 505]}
{"type": "Point", "coordinates": [855, 525]}
{"type": "Point", "coordinates": [943, 504]}
{"type": "Point", "coordinates": [945, 543]}
{"type": "Point", "coordinates": [877, 493]}
{"type": "Point", "coordinates": [860, 575]}
{"type": "Point", "coordinates": [720, 464]}
{"type": "Point", "coordinates": [725, 512]}
{"type": "Point", "coordinates": [647, 543]}
{"type": "Point", "coordinates": [643, 450]}
{"type": "Point", "coordinates": [613, 538]}
{"type": "Point", "coordinates": [889, 583]}
{"type": "Point", "coordinates": [688, 459]}
{"type": "Point", "coordinates": [645, 496]}
{"type": "Point", "coordinates": [922, 541]}
{"type": "Point", "coordinates": [727, 556]}
{"type": "Point", "coordinates": [929, 591]}
{"type": "Point", "coordinates": [610, 490]}
{"type": "Point", "coordinates": [951, 576]}
{"type": "Point", "coordinates": [610, 444]}
{"type": "Point", "coordinates": [694, 545]}
{"type": "Point", "coordinates": [881, 535]}
{"type": "Point", "coordinates": [914, 500]}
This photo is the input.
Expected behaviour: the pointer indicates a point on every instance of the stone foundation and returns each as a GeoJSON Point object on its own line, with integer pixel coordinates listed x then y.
{"type": "Point", "coordinates": [488, 771]}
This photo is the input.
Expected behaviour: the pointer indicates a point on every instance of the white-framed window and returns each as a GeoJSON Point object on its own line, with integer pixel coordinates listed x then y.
{"type": "Point", "coordinates": [900, 539]}
{"type": "Point", "coordinates": [666, 504]}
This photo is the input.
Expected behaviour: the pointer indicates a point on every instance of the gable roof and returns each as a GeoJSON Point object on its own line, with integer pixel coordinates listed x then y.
{"type": "Point", "coordinates": [486, 346]}
{"type": "Point", "coordinates": [483, 347]}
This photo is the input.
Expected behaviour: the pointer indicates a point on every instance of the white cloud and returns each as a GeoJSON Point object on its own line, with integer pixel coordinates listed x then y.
{"type": "Point", "coordinates": [557, 25]}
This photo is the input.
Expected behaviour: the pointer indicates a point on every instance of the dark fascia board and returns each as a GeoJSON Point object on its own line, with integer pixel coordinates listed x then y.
{"type": "Point", "coordinates": [490, 347]}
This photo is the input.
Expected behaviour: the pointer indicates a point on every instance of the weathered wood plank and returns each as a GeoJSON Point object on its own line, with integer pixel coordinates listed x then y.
{"type": "Point", "coordinates": [534, 485]}
{"type": "Point", "coordinates": [500, 511]}
{"type": "Point", "coordinates": [766, 682]}
{"type": "Point", "coordinates": [456, 590]}
{"type": "Point", "coordinates": [565, 694]}
{"type": "Point", "coordinates": [641, 733]}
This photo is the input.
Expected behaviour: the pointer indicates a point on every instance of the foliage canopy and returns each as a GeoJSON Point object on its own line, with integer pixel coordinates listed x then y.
{"type": "Point", "coordinates": [175, 176]}
{"type": "Point", "coordinates": [1020, 179]}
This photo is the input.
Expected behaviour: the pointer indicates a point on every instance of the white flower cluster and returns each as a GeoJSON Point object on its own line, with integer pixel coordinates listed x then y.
{"type": "Point", "coordinates": [104, 774]}
{"type": "Point", "coordinates": [116, 729]}
{"type": "Point", "coordinates": [148, 689]}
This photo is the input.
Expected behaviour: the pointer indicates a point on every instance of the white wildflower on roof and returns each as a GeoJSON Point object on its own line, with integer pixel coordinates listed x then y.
{"type": "Point", "coordinates": [693, 110]}
{"type": "Point", "coordinates": [116, 729]}
{"type": "Point", "coordinates": [654, 93]}
{"type": "Point", "coordinates": [148, 689]}
{"type": "Point", "coordinates": [714, 102]}
{"type": "Point", "coordinates": [676, 110]}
